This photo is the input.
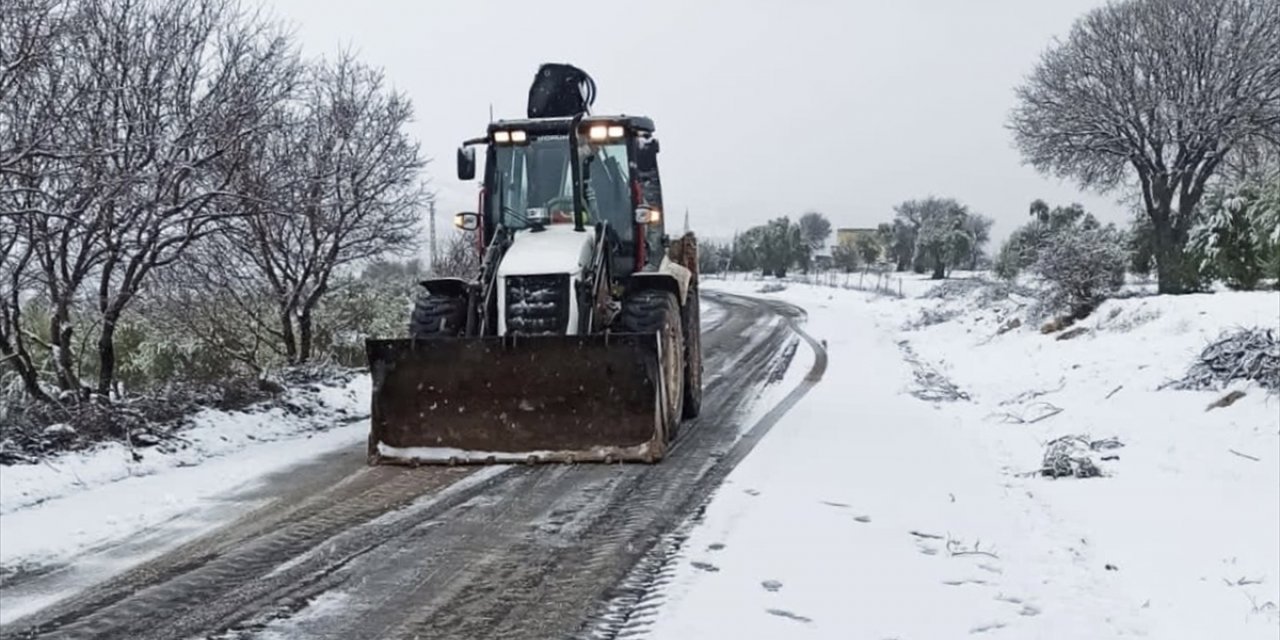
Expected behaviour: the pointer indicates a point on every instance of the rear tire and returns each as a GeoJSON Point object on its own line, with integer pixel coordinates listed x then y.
{"type": "Point", "coordinates": [437, 316]}
{"type": "Point", "coordinates": [692, 356]}
{"type": "Point", "coordinates": [657, 311]}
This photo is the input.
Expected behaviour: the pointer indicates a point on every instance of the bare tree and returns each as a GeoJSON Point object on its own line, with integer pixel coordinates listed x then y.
{"type": "Point", "coordinates": [48, 173]}
{"type": "Point", "coordinates": [190, 90]}
{"type": "Point", "coordinates": [336, 184]}
{"type": "Point", "coordinates": [461, 259]}
{"type": "Point", "coordinates": [1165, 89]}
{"type": "Point", "coordinates": [114, 145]}
{"type": "Point", "coordinates": [30, 31]}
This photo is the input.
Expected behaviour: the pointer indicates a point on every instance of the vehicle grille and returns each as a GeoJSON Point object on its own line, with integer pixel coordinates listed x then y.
{"type": "Point", "coordinates": [538, 305]}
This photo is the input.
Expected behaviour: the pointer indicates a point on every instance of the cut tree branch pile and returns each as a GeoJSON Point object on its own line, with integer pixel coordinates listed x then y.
{"type": "Point", "coordinates": [1248, 354]}
{"type": "Point", "coordinates": [930, 385]}
{"type": "Point", "coordinates": [1073, 456]}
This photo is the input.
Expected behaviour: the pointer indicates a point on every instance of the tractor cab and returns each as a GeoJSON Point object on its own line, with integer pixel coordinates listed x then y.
{"type": "Point", "coordinates": [591, 173]}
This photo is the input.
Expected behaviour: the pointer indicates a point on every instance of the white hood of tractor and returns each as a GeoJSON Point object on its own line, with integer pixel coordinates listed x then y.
{"type": "Point", "coordinates": [557, 249]}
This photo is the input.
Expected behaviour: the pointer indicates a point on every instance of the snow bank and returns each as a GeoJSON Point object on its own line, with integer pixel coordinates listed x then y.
{"type": "Point", "coordinates": [870, 513]}
{"type": "Point", "coordinates": [213, 434]}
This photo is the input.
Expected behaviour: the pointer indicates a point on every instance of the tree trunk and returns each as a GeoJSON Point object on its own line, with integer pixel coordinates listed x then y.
{"type": "Point", "coordinates": [304, 340]}
{"type": "Point", "coordinates": [287, 335]}
{"type": "Point", "coordinates": [939, 266]}
{"type": "Point", "coordinates": [60, 337]}
{"type": "Point", "coordinates": [1171, 270]}
{"type": "Point", "coordinates": [107, 356]}
{"type": "Point", "coordinates": [1169, 234]}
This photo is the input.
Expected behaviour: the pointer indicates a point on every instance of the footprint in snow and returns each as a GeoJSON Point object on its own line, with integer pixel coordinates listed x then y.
{"type": "Point", "coordinates": [705, 566]}
{"type": "Point", "coordinates": [751, 492]}
{"type": "Point", "coordinates": [1029, 610]}
{"type": "Point", "coordinates": [991, 626]}
{"type": "Point", "coordinates": [715, 546]}
{"type": "Point", "coordinates": [862, 519]}
{"type": "Point", "coordinates": [839, 505]}
{"type": "Point", "coordinates": [771, 586]}
{"type": "Point", "coordinates": [783, 613]}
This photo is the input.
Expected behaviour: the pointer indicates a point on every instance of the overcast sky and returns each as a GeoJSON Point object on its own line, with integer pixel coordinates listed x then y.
{"type": "Point", "coordinates": [763, 108]}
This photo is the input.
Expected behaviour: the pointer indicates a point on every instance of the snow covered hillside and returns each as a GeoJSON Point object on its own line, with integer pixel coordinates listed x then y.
{"type": "Point", "coordinates": [903, 497]}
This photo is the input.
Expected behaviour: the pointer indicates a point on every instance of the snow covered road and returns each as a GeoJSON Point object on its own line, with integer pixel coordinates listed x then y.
{"type": "Point", "coordinates": [341, 552]}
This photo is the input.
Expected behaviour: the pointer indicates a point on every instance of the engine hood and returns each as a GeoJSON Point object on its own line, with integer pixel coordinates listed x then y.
{"type": "Point", "coordinates": [557, 249]}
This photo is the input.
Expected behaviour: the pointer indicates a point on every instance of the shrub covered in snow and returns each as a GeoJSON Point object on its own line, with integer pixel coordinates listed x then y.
{"type": "Point", "coordinates": [1022, 249]}
{"type": "Point", "coordinates": [953, 289]}
{"type": "Point", "coordinates": [1238, 241]}
{"type": "Point", "coordinates": [1082, 265]}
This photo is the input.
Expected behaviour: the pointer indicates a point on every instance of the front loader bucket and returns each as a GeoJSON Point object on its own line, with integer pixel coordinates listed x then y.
{"type": "Point", "coordinates": [516, 399]}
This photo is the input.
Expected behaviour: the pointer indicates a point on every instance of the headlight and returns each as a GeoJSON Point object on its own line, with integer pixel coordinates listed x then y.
{"type": "Point", "coordinates": [502, 137]}
{"type": "Point", "coordinates": [648, 215]}
{"type": "Point", "coordinates": [519, 136]}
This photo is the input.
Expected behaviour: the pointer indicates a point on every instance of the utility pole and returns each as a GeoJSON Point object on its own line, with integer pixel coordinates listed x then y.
{"type": "Point", "coordinates": [686, 219]}
{"type": "Point", "coordinates": [435, 257]}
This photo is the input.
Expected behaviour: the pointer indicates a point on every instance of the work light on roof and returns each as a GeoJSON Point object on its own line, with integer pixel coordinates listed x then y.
{"type": "Point", "coordinates": [504, 136]}
{"type": "Point", "coordinates": [602, 132]}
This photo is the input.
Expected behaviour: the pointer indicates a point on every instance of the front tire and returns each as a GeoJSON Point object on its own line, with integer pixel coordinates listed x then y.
{"type": "Point", "coordinates": [657, 311]}
{"type": "Point", "coordinates": [438, 316]}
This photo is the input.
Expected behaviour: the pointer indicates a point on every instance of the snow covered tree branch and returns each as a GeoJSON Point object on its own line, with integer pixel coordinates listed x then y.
{"type": "Point", "coordinates": [336, 183]}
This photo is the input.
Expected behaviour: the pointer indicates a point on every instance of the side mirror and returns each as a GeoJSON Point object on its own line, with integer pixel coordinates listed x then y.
{"type": "Point", "coordinates": [647, 154]}
{"type": "Point", "coordinates": [466, 163]}
{"type": "Point", "coordinates": [467, 221]}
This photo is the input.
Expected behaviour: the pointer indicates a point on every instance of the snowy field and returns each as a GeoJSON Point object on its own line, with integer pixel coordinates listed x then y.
{"type": "Point", "coordinates": [871, 513]}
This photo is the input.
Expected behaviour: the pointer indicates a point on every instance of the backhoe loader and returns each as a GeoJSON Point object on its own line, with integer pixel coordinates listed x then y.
{"type": "Point", "coordinates": [579, 339]}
